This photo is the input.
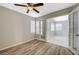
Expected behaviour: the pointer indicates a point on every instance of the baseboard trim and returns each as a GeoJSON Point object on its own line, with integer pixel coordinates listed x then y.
{"type": "Point", "coordinates": [42, 39]}
{"type": "Point", "coordinates": [73, 51]}
{"type": "Point", "coordinates": [15, 44]}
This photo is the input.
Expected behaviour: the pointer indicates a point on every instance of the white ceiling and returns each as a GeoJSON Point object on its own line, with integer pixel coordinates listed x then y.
{"type": "Point", "coordinates": [46, 9]}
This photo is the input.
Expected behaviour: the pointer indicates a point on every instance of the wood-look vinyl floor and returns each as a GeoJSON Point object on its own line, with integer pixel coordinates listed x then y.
{"type": "Point", "coordinates": [37, 47]}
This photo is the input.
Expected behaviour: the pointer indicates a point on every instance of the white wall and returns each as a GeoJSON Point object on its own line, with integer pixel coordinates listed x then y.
{"type": "Point", "coordinates": [61, 37]}
{"type": "Point", "coordinates": [14, 28]}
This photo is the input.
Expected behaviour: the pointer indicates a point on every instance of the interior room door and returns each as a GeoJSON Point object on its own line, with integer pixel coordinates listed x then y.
{"type": "Point", "coordinates": [74, 30]}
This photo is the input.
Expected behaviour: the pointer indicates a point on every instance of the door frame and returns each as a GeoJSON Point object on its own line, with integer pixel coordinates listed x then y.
{"type": "Point", "coordinates": [71, 47]}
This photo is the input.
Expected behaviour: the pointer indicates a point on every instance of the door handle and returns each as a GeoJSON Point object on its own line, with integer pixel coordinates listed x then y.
{"type": "Point", "coordinates": [77, 34]}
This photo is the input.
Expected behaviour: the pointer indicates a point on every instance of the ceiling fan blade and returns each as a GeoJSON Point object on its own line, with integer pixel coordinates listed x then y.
{"type": "Point", "coordinates": [38, 4]}
{"type": "Point", "coordinates": [20, 5]}
{"type": "Point", "coordinates": [35, 10]}
{"type": "Point", "coordinates": [27, 11]}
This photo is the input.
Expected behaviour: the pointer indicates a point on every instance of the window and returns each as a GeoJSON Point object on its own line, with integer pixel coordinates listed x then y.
{"type": "Point", "coordinates": [52, 27]}
{"type": "Point", "coordinates": [58, 27]}
{"type": "Point", "coordinates": [57, 24]}
{"type": "Point", "coordinates": [39, 27]}
{"type": "Point", "coordinates": [32, 26]}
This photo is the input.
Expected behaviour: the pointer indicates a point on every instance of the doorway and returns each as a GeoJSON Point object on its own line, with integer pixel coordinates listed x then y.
{"type": "Point", "coordinates": [58, 30]}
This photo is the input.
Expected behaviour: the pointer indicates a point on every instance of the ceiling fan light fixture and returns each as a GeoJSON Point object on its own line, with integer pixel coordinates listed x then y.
{"type": "Point", "coordinates": [30, 8]}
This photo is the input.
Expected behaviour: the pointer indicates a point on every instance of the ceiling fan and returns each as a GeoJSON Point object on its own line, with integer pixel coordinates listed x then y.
{"type": "Point", "coordinates": [30, 6]}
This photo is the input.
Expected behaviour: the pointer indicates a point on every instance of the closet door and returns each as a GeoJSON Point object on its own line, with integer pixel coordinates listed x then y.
{"type": "Point", "coordinates": [77, 34]}
{"type": "Point", "coordinates": [74, 30]}
{"type": "Point", "coordinates": [71, 31]}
